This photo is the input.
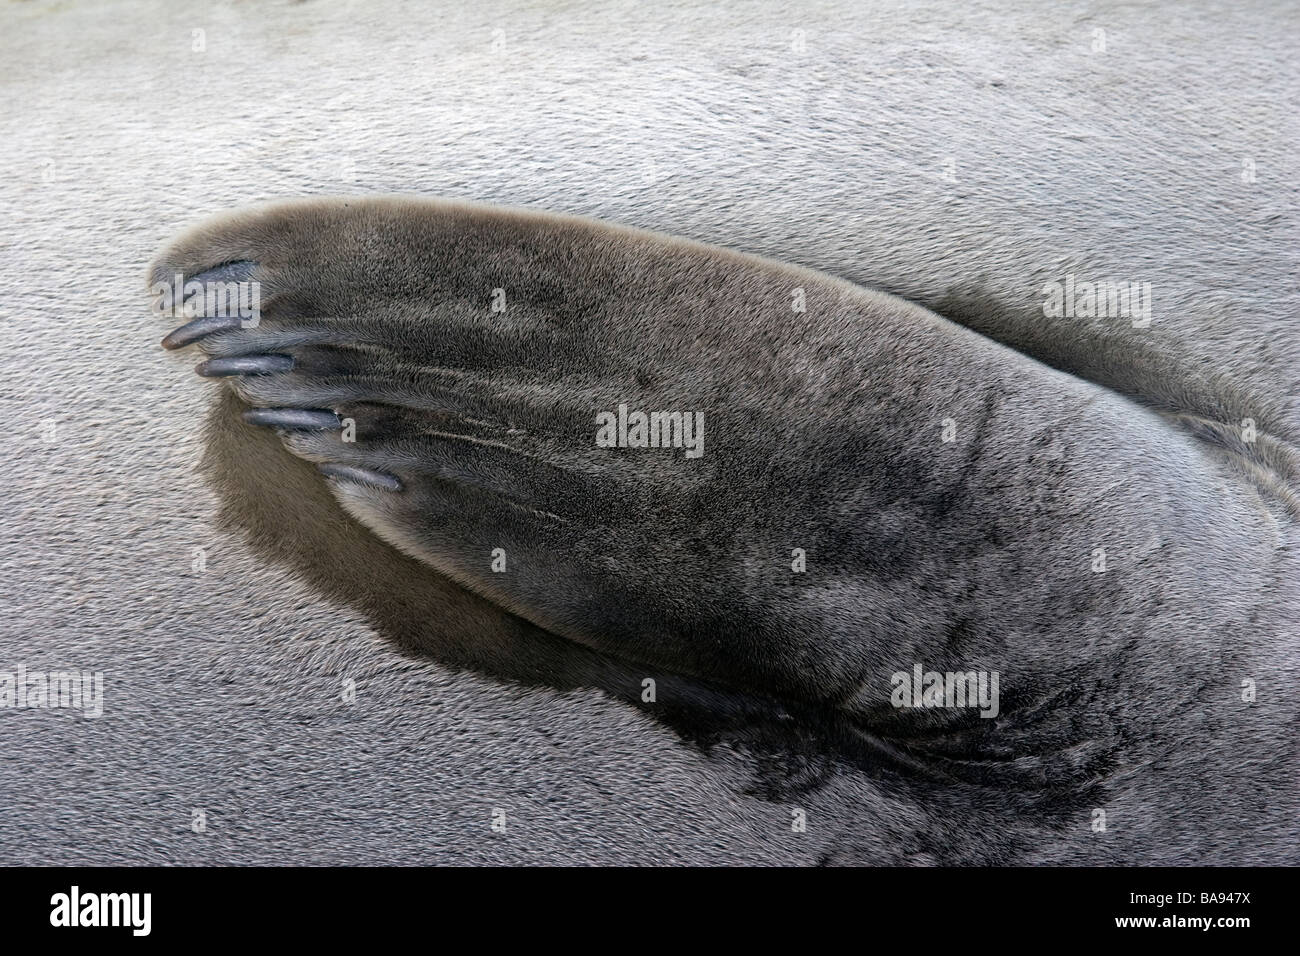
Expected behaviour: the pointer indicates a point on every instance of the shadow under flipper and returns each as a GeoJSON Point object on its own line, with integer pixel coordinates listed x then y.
{"type": "Point", "coordinates": [280, 504]}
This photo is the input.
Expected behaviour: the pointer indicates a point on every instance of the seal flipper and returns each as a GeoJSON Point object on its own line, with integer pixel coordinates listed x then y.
{"type": "Point", "coordinates": [863, 485]}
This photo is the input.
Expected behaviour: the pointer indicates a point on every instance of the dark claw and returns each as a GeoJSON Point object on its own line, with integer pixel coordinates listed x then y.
{"type": "Point", "coordinates": [362, 476]}
{"type": "Point", "coordinates": [241, 271]}
{"type": "Point", "coordinates": [193, 331]}
{"type": "Point", "coordinates": [230, 272]}
{"type": "Point", "coordinates": [297, 419]}
{"type": "Point", "coordinates": [244, 365]}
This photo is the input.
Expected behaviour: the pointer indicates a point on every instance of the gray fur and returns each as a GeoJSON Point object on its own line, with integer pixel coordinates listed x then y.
{"type": "Point", "coordinates": [223, 688]}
